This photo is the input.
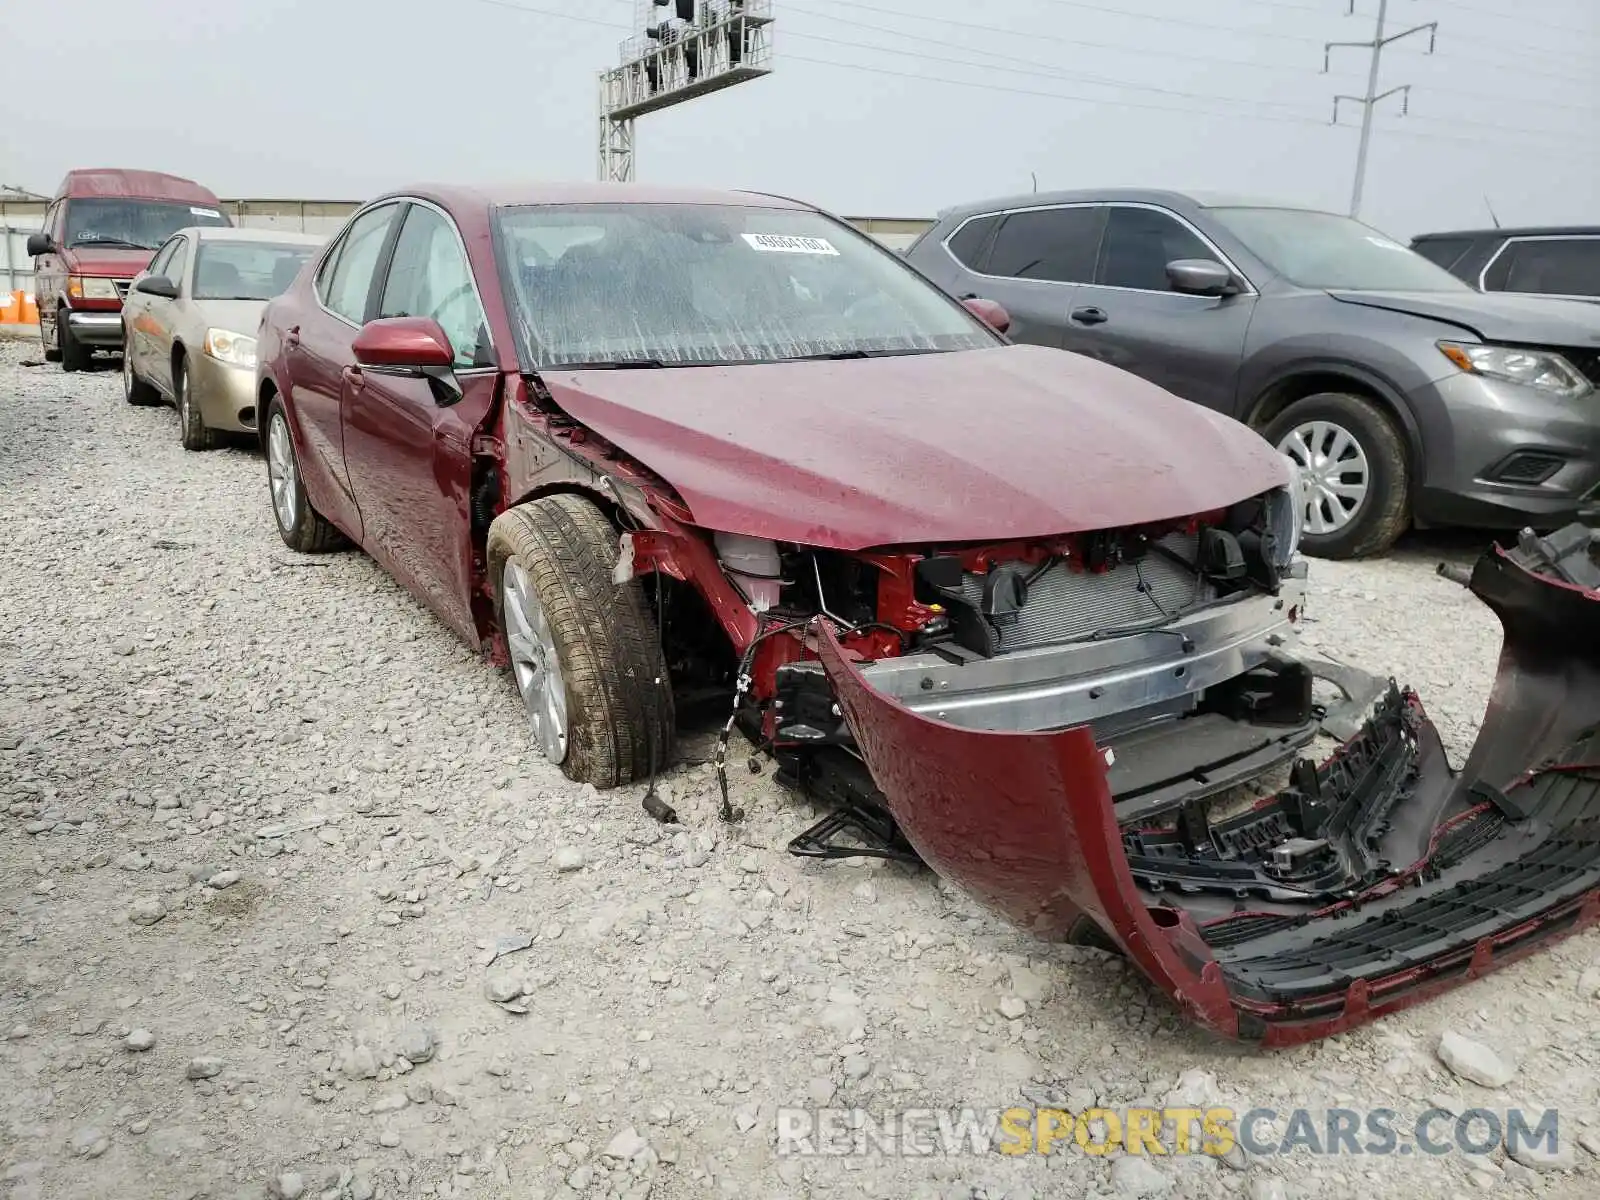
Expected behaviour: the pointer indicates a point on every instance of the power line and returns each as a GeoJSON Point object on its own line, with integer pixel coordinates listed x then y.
{"type": "Point", "coordinates": [1049, 95]}
{"type": "Point", "coordinates": [1189, 111]}
{"type": "Point", "coordinates": [1186, 56]}
{"type": "Point", "coordinates": [1050, 72]}
{"type": "Point", "coordinates": [1096, 80]}
{"type": "Point", "coordinates": [1565, 30]}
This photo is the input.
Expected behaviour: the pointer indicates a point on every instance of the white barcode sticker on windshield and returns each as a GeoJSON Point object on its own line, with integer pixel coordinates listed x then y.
{"type": "Point", "coordinates": [204, 212]}
{"type": "Point", "coordinates": [783, 243]}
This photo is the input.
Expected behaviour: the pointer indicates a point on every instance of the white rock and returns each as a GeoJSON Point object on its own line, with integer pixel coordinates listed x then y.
{"type": "Point", "coordinates": [89, 1142]}
{"type": "Point", "coordinates": [206, 1066]}
{"type": "Point", "coordinates": [568, 859]}
{"type": "Point", "coordinates": [1134, 1175]}
{"type": "Point", "coordinates": [288, 1186]}
{"type": "Point", "coordinates": [626, 1145]}
{"type": "Point", "coordinates": [358, 1062]}
{"type": "Point", "coordinates": [1266, 1187]}
{"type": "Point", "coordinates": [147, 910]}
{"type": "Point", "coordinates": [1589, 983]}
{"type": "Point", "coordinates": [223, 879]}
{"type": "Point", "coordinates": [1539, 1157]}
{"type": "Point", "coordinates": [1012, 1008]}
{"type": "Point", "coordinates": [140, 1040]}
{"type": "Point", "coordinates": [1474, 1061]}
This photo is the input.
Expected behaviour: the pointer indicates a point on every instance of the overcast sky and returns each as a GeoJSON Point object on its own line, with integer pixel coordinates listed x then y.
{"type": "Point", "coordinates": [884, 108]}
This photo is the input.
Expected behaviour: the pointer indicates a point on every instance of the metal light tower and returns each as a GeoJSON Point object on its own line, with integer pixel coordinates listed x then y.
{"type": "Point", "coordinates": [684, 49]}
{"type": "Point", "coordinates": [1370, 100]}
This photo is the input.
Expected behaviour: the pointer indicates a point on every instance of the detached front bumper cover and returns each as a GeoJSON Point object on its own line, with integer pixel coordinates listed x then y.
{"type": "Point", "coordinates": [1418, 879]}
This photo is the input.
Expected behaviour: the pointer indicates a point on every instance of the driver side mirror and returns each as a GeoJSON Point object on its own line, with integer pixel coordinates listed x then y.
{"type": "Point", "coordinates": [411, 348]}
{"type": "Point", "coordinates": [40, 243]}
{"type": "Point", "coordinates": [157, 285]}
{"type": "Point", "coordinates": [1201, 277]}
{"type": "Point", "coordinates": [989, 312]}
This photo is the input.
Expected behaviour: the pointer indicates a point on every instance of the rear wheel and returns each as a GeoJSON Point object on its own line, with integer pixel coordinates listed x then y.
{"type": "Point", "coordinates": [135, 390]}
{"type": "Point", "coordinates": [302, 527]}
{"type": "Point", "coordinates": [1354, 472]}
{"type": "Point", "coordinates": [74, 354]}
{"type": "Point", "coordinates": [585, 652]}
{"type": "Point", "coordinates": [191, 425]}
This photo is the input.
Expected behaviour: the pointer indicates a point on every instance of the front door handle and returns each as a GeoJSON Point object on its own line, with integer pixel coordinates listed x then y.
{"type": "Point", "coordinates": [1090, 316]}
{"type": "Point", "coordinates": [354, 378]}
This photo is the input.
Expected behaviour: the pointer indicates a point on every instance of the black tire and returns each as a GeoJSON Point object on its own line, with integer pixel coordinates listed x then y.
{"type": "Point", "coordinates": [619, 716]}
{"type": "Point", "coordinates": [308, 532]}
{"type": "Point", "coordinates": [1385, 512]}
{"type": "Point", "coordinates": [74, 354]}
{"type": "Point", "coordinates": [135, 389]}
{"type": "Point", "coordinates": [192, 428]}
{"type": "Point", "coordinates": [51, 353]}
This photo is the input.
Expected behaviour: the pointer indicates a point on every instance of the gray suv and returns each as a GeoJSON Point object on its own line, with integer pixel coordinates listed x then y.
{"type": "Point", "coordinates": [1405, 396]}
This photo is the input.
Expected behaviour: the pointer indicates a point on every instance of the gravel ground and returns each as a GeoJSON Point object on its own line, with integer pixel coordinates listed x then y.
{"type": "Point", "coordinates": [191, 1006]}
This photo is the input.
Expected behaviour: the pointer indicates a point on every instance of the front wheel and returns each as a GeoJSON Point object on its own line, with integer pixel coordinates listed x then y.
{"type": "Point", "coordinates": [1354, 473]}
{"type": "Point", "coordinates": [74, 354]}
{"type": "Point", "coordinates": [585, 651]}
{"type": "Point", "coordinates": [300, 525]}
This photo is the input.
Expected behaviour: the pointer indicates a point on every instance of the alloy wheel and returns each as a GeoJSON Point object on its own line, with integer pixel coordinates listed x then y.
{"type": "Point", "coordinates": [282, 473]}
{"type": "Point", "coordinates": [1335, 475]}
{"type": "Point", "coordinates": [535, 662]}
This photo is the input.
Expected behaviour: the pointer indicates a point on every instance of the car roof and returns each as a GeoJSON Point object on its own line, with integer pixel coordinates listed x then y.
{"type": "Point", "coordinates": [138, 185]}
{"type": "Point", "coordinates": [1188, 201]}
{"type": "Point", "coordinates": [1521, 231]}
{"type": "Point", "coordinates": [253, 233]}
{"type": "Point", "coordinates": [510, 195]}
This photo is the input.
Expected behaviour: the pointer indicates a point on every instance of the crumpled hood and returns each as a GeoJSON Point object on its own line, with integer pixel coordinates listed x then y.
{"type": "Point", "coordinates": [982, 445]}
{"type": "Point", "coordinates": [1532, 320]}
{"type": "Point", "coordinates": [112, 262]}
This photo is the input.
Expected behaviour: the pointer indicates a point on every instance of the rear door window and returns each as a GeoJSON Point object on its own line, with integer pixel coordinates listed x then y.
{"type": "Point", "coordinates": [1057, 245]}
{"type": "Point", "coordinates": [1444, 252]}
{"type": "Point", "coordinates": [970, 243]}
{"type": "Point", "coordinates": [1549, 266]}
{"type": "Point", "coordinates": [1139, 243]}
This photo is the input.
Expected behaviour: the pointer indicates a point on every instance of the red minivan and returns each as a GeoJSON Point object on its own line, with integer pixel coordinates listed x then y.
{"type": "Point", "coordinates": [99, 232]}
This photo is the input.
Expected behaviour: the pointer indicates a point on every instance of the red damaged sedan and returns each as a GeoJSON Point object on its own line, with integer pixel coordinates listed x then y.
{"type": "Point", "coordinates": [1006, 609]}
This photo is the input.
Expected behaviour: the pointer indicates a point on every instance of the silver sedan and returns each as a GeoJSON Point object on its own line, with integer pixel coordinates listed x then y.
{"type": "Point", "coordinates": [190, 319]}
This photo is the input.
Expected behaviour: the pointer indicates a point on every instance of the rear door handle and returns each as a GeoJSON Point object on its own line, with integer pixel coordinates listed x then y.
{"type": "Point", "coordinates": [291, 336]}
{"type": "Point", "coordinates": [1090, 316]}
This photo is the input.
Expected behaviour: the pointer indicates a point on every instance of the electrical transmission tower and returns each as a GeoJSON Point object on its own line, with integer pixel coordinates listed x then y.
{"type": "Point", "coordinates": [682, 49]}
{"type": "Point", "coordinates": [1373, 96]}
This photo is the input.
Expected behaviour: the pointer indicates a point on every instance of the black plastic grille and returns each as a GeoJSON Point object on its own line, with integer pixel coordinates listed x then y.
{"type": "Point", "coordinates": [1564, 866]}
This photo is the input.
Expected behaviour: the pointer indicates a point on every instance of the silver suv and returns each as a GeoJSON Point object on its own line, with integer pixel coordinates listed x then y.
{"type": "Point", "coordinates": [1405, 396]}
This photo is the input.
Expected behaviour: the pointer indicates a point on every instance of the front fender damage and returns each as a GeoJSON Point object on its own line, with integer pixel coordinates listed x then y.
{"type": "Point", "coordinates": [1424, 877]}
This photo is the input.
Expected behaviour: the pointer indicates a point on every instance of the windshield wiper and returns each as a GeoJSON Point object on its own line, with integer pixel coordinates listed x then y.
{"type": "Point", "coordinates": [609, 364]}
{"type": "Point", "coordinates": [841, 355]}
{"type": "Point", "coordinates": [109, 241]}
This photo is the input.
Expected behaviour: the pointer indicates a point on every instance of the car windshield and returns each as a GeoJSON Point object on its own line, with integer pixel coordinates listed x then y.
{"type": "Point", "coordinates": [1323, 250]}
{"type": "Point", "coordinates": [143, 224]}
{"type": "Point", "coordinates": [683, 284]}
{"type": "Point", "coordinates": [246, 270]}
